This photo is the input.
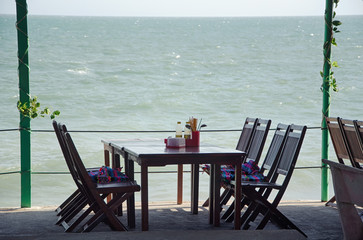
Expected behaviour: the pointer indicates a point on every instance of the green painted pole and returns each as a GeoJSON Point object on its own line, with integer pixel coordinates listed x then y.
{"type": "Point", "coordinates": [326, 96]}
{"type": "Point", "coordinates": [23, 71]}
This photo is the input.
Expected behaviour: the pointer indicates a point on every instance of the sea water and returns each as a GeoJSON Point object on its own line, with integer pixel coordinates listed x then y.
{"type": "Point", "coordinates": [131, 73]}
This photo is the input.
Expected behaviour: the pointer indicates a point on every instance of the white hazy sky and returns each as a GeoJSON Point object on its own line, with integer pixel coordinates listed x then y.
{"type": "Point", "coordinates": [183, 7]}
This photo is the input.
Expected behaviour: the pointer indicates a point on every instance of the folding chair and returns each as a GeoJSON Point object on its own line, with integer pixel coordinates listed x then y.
{"type": "Point", "coordinates": [359, 131]}
{"type": "Point", "coordinates": [352, 140]}
{"type": "Point", "coordinates": [243, 144]}
{"type": "Point", "coordinates": [347, 183]}
{"type": "Point", "coordinates": [338, 138]}
{"type": "Point", "coordinates": [269, 164]}
{"type": "Point", "coordinates": [95, 193]}
{"type": "Point", "coordinates": [253, 153]}
{"type": "Point", "coordinates": [286, 164]}
{"type": "Point", "coordinates": [76, 201]}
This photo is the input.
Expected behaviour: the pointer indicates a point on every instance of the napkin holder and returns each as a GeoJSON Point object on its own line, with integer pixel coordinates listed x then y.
{"type": "Point", "coordinates": [174, 142]}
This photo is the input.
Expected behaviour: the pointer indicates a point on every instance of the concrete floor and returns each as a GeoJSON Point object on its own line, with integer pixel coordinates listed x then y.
{"type": "Point", "coordinates": [171, 221]}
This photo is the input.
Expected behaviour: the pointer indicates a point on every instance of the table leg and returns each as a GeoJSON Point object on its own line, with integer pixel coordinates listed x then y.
{"type": "Point", "coordinates": [180, 184]}
{"type": "Point", "coordinates": [216, 197]}
{"type": "Point", "coordinates": [129, 171]}
{"type": "Point", "coordinates": [107, 163]}
{"type": "Point", "coordinates": [237, 196]}
{"type": "Point", "coordinates": [211, 193]}
{"type": "Point", "coordinates": [195, 187]}
{"type": "Point", "coordinates": [116, 164]}
{"type": "Point", "coordinates": [144, 198]}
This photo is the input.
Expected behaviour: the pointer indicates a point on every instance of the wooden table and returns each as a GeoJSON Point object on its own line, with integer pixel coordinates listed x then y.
{"type": "Point", "coordinates": [151, 153]}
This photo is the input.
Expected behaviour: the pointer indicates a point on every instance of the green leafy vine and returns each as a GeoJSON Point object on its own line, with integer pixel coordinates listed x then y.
{"type": "Point", "coordinates": [334, 29]}
{"type": "Point", "coordinates": [32, 110]}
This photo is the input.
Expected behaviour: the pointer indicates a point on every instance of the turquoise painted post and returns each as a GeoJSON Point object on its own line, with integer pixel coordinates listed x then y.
{"type": "Point", "coordinates": [326, 96]}
{"type": "Point", "coordinates": [23, 70]}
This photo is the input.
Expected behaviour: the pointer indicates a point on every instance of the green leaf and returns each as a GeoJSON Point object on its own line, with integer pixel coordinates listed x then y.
{"type": "Point", "coordinates": [333, 42]}
{"type": "Point", "coordinates": [56, 112]}
{"type": "Point", "coordinates": [337, 23]}
{"type": "Point", "coordinates": [34, 115]}
{"type": "Point", "coordinates": [335, 64]}
{"type": "Point", "coordinates": [336, 3]}
{"type": "Point", "coordinates": [321, 74]}
{"type": "Point", "coordinates": [46, 111]}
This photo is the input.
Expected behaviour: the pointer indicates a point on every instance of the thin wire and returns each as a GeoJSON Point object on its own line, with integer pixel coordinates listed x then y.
{"type": "Point", "coordinates": [185, 171]}
{"type": "Point", "coordinates": [134, 131]}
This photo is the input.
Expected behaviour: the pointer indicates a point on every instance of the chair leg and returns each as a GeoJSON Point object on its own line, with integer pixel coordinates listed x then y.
{"type": "Point", "coordinates": [71, 227]}
{"type": "Point", "coordinates": [70, 206]}
{"type": "Point", "coordinates": [264, 221]}
{"type": "Point", "coordinates": [131, 221]}
{"type": "Point", "coordinates": [245, 201]}
{"type": "Point", "coordinates": [107, 211]}
{"type": "Point", "coordinates": [332, 200]}
{"type": "Point", "coordinates": [66, 203]}
{"type": "Point", "coordinates": [72, 212]}
{"type": "Point", "coordinates": [229, 212]}
{"type": "Point", "coordinates": [226, 195]}
{"type": "Point", "coordinates": [206, 203]}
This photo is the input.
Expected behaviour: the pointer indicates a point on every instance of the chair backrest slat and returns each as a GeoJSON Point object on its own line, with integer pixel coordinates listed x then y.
{"type": "Point", "coordinates": [359, 131]}
{"type": "Point", "coordinates": [288, 158]}
{"type": "Point", "coordinates": [246, 134]}
{"type": "Point", "coordinates": [258, 140]}
{"type": "Point", "coordinates": [84, 180]}
{"type": "Point", "coordinates": [337, 139]}
{"type": "Point", "coordinates": [291, 149]}
{"type": "Point", "coordinates": [352, 141]}
{"type": "Point", "coordinates": [273, 153]}
{"type": "Point", "coordinates": [59, 130]}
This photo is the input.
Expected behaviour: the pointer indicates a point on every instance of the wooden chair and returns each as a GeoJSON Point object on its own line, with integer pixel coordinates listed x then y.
{"type": "Point", "coordinates": [94, 194]}
{"type": "Point", "coordinates": [76, 201]}
{"type": "Point", "coordinates": [338, 138]}
{"type": "Point", "coordinates": [258, 140]}
{"type": "Point", "coordinates": [267, 169]}
{"type": "Point", "coordinates": [279, 182]}
{"type": "Point", "coordinates": [359, 131]}
{"type": "Point", "coordinates": [245, 138]}
{"type": "Point", "coordinates": [348, 190]}
{"type": "Point", "coordinates": [243, 144]}
{"type": "Point", "coordinates": [352, 140]}
{"type": "Point", "coordinates": [254, 153]}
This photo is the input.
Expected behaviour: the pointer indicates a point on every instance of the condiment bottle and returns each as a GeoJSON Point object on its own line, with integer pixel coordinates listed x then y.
{"type": "Point", "coordinates": [187, 130]}
{"type": "Point", "coordinates": [179, 130]}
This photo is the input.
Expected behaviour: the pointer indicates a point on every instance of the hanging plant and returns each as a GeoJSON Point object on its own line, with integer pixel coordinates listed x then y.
{"type": "Point", "coordinates": [32, 110]}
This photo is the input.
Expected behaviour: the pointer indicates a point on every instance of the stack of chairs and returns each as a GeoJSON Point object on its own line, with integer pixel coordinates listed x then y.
{"type": "Point", "coordinates": [86, 207]}
{"type": "Point", "coordinates": [251, 141]}
{"type": "Point", "coordinates": [347, 138]}
{"type": "Point", "coordinates": [277, 168]}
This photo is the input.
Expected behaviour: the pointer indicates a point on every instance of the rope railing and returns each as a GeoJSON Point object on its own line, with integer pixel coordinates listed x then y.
{"type": "Point", "coordinates": [132, 131]}
{"type": "Point", "coordinates": [136, 172]}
